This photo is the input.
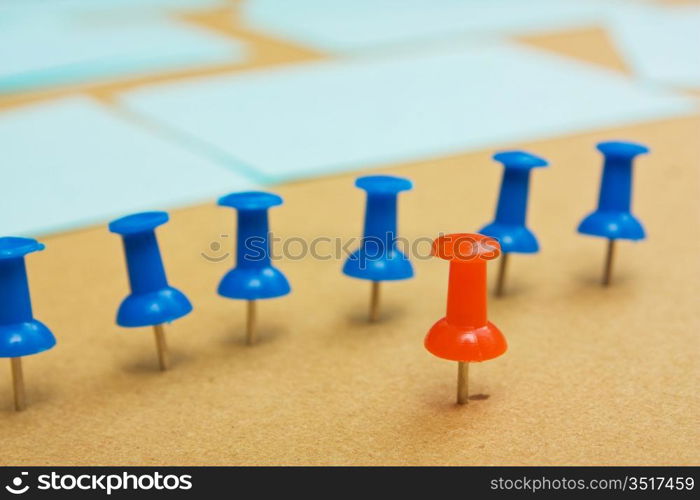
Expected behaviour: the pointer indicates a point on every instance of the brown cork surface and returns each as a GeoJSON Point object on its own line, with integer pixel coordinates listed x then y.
{"type": "Point", "coordinates": [592, 375]}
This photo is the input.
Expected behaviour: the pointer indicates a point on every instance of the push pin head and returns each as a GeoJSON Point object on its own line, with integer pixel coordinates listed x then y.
{"type": "Point", "coordinates": [378, 258]}
{"type": "Point", "coordinates": [13, 247]}
{"type": "Point", "coordinates": [383, 184]}
{"type": "Point", "coordinates": [509, 225]}
{"type": "Point", "coordinates": [20, 333]}
{"type": "Point", "coordinates": [250, 200]}
{"type": "Point", "coordinates": [138, 223]}
{"type": "Point", "coordinates": [613, 218]}
{"type": "Point", "coordinates": [465, 334]}
{"type": "Point", "coordinates": [254, 277]}
{"type": "Point", "coordinates": [152, 301]}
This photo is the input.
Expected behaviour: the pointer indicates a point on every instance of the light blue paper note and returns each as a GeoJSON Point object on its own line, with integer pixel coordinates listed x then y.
{"type": "Point", "coordinates": [72, 7]}
{"type": "Point", "coordinates": [325, 117]}
{"type": "Point", "coordinates": [660, 43]}
{"type": "Point", "coordinates": [71, 162]}
{"type": "Point", "coordinates": [354, 25]}
{"type": "Point", "coordinates": [48, 50]}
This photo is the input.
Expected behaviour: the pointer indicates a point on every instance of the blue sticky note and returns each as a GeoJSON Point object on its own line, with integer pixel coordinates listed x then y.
{"type": "Point", "coordinates": [332, 116]}
{"type": "Point", "coordinates": [72, 162]}
{"type": "Point", "coordinates": [660, 43]}
{"type": "Point", "coordinates": [40, 51]}
{"type": "Point", "coordinates": [352, 25]}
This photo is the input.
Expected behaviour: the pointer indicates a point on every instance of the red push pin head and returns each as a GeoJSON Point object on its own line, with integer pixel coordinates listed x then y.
{"type": "Point", "coordinates": [464, 334]}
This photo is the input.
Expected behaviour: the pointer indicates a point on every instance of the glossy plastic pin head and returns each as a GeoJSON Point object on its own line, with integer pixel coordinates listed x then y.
{"type": "Point", "coordinates": [465, 334]}
{"type": "Point", "coordinates": [509, 226]}
{"type": "Point", "coordinates": [152, 300]}
{"type": "Point", "coordinates": [253, 277]}
{"type": "Point", "coordinates": [378, 258]}
{"type": "Point", "coordinates": [20, 334]}
{"type": "Point", "coordinates": [613, 218]}
{"type": "Point", "coordinates": [250, 200]}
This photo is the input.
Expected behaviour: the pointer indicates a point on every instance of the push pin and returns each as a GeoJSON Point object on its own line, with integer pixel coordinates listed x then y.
{"type": "Point", "coordinates": [613, 219]}
{"type": "Point", "coordinates": [378, 259]}
{"type": "Point", "coordinates": [20, 334]}
{"type": "Point", "coordinates": [152, 301]}
{"type": "Point", "coordinates": [254, 277]}
{"type": "Point", "coordinates": [464, 334]}
{"type": "Point", "coordinates": [509, 227]}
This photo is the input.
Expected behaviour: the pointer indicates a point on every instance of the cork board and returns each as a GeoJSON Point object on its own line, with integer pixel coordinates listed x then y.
{"type": "Point", "coordinates": [593, 376]}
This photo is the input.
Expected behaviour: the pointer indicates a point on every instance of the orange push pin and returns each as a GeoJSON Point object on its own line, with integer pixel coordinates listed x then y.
{"type": "Point", "coordinates": [464, 334]}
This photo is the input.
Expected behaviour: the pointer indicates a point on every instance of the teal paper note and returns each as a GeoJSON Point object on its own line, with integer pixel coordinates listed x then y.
{"type": "Point", "coordinates": [108, 7]}
{"type": "Point", "coordinates": [72, 162]}
{"type": "Point", "coordinates": [43, 51]}
{"type": "Point", "coordinates": [660, 43]}
{"type": "Point", "coordinates": [358, 25]}
{"type": "Point", "coordinates": [331, 116]}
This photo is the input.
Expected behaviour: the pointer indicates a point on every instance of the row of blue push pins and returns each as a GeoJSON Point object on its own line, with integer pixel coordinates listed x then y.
{"type": "Point", "coordinates": [153, 302]}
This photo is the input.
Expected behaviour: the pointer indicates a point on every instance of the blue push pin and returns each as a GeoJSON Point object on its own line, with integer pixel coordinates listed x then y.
{"type": "Point", "coordinates": [509, 227]}
{"type": "Point", "coordinates": [254, 277]}
{"type": "Point", "coordinates": [20, 334]}
{"type": "Point", "coordinates": [613, 219]}
{"type": "Point", "coordinates": [378, 259]}
{"type": "Point", "coordinates": [152, 301]}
